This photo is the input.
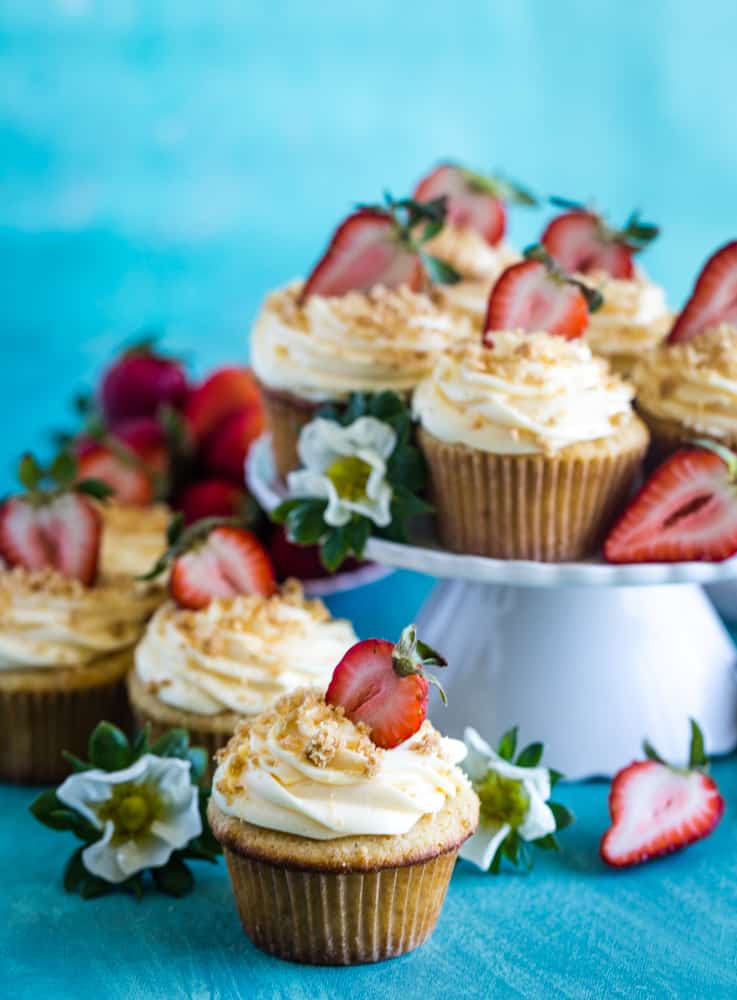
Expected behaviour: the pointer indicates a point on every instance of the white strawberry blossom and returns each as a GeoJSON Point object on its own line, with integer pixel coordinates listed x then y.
{"type": "Point", "coordinates": [146, 811]}
{"type": "Point", "coordinates": [533, 781]}
{"type": "Point", "coordinates": [347, 467]}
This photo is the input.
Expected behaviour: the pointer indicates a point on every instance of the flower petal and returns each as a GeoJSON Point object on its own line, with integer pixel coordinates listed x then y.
{"type": "Point", "coordinates": [87, 789]}
{"type": "Point", "coordinates": [539, 820]}
{"type": "Point", "coordinates": [481, 847]}
{"type": "Point", "coordinates": [307, 483]}
{"type": "Point", "coordinates": [317, 445]}
{"type": "Point", "coordinates": [101, 859]}
{"type": "Point", "coordinates": [479, 753]}
{"type": "Point", "coordinates": [368, 433]}
{"type": "Point", "coordinates": [138, 853]}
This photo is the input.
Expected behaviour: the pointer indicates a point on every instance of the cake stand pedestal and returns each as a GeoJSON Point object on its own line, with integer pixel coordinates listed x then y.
{"type": "Point", "coordinates": [587, 657]}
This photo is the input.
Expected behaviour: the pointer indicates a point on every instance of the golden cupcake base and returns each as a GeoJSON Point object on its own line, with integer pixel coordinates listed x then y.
{"type": "Point", "coordinates": [547, 508]}
{"type": "Point", "coordinates": [43, 712]}
{"type": "Point", "coordinates": [286, 415]}
{"type": "Point", "coordinates": [208, 731]}
{"type": "Point", "coordinates": [347, 901]}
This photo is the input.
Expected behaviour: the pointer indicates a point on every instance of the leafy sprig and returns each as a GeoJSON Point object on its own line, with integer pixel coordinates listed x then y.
{"type": "Point", "coordinates": [110, 750]}
{"type": "Point", "coordinates": [498, 186]}
{"type": "Point", "coordinates": [697, 758]}
{"type": "Point", "coordinates": [594, 298]}
{"type": "Point", "coordinates": [636, 234]}
{"type": "Point", "coordinates": [304, 517]}
{"type": "Point", "coordinates": [42, 484]}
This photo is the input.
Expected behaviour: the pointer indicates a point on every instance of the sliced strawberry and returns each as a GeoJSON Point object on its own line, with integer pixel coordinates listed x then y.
{"type": "Point", "coordinates": [62, 533]}
{"type": "Point", "coordinates": [223, 393]}
{"type": "Point", "coordinates": [138, 383]}
{"type": "Point", "coordinates": [225, 450]}
{"type": "Point", "coordinates": [714, 298]}
{"type": "Point", "coordinates": [210, 498]}
{"type": "Point", "coordinates": [581, 244]}
{"type": "Point", "coordinates": [528, 297]}
{"type": "Point", "coordinates": [129, 480]}
{"type": "Point", "coordinates": [467, 205]}
{"type": "Point", "coordinates": [229, 561]}
{"type": "Point", "coordinates": [365, 251]}
{"type": "Point", "coordinates": [657, 809]}
{"type": "Point", "coordinates": [687, 510]}
{"type": "Point", "coordinates": [383, 686]}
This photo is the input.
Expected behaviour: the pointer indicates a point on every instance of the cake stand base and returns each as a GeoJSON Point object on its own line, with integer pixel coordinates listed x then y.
{"type": "Point", "coordinates": [590, 671]}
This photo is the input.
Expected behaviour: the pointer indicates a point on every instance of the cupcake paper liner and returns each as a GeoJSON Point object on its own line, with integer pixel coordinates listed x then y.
{"type": "Point", "coordinates": [331, 918]}
{"type": "Point", "coordinates": [43, 712]}
{"type": "Point", "coordinates": [539, 507]}
{"type": "Point", "coordinates": [286, 415]}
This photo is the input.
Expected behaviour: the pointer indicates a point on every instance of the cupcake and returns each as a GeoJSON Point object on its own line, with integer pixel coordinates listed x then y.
{"type": "Point", "coordinates": [531, 442]}
{"type": "Point", "coordinates": [687, 389]}
{"type": "Point", "coordinates": [472, 240]}
{"type": "Point", "coordinates": [341, 815]}
{"type": "Point", "coordinates": [362, 322]}
{"type": "Point", "coordinates": [633, 318]}
{"type": "Point", "coordinates": [67, 631]}
{"type": "Point", "coordinates": [133, 537]}
{"type": "Point", "coordinates": [205, 669]}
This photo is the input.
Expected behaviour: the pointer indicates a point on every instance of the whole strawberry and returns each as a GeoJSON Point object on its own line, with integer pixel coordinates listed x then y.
{"type": "Point", "coordinates": [385, 686]}
{"type": "Point", "coordinates": [657, 809]}
{"type": "Point", "coordinates": [139, 383]}
{"type": "Point", "coordinates": [53, 524]}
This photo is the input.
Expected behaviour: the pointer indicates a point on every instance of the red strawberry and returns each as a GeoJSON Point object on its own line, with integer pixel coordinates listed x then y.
{"type": "Point", "coordinates": [223, 393]}
{"type": "Point", "coordinates": [225, 450]}
{"type": "Point", "coordinates": [145, 437]}
{"type": "Point", "coordinates": [384, 686]}
{"type": "Point", "coordinates": [528, 296]}
{"type": "Point", "coordinates": [138, 383]}
{"type": "Point", "coordinates": [365, 251]}
{"type": "Point", "coordinates": [227, 562]}
{"type": "Point", "coordinates": [687, 510]}
{"type": "Point", "coordinates": [62, 532]}
{"type": "Point", "coordinates": [210, 498]}
{"type": "Point", "coordinates": [657, 809]}
{"type": "Point", "coordinates": [714, 298]}
{"type": "Point", "coordinates": [468, 204]}
{"type": "Point", "coordinates": [129, 480]}
{"type": "Point", "coordinates": [580, 243]}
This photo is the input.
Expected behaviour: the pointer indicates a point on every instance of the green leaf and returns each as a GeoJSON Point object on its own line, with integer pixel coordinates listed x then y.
{"type": "Point", "coordinates": [52, 812]}
{"type": "Point", "coordinates": [406, 504]}
{"type": "Point", "coordinates": [94, 488]}
{"type": "Point", "coordinates": [511, 846]}
{"type": "Point", "coordinates": [140, 743]}
{"type": "Point", "coordinates": [109, 748]}
{"type": "Point", "coordinates": [74, 870]}
{"type": "Point", "coordinates": [174, 743]}
{"type": "Point", "coordinates": [651, 753]}
{"type": "Point", "coordinates": [697, 758]}
{"type": "Point", "coordinates": [356, 534]}
{"type": "Point", "coordinates": [174, 878]}
{"type": "Point", "coordinates": [496, 862]}
{"type": "Point", "coordinates": [30, 472]}
{"type": "Point", "coordinates": [77, 765]}
{"type": "Point", "coordinates": [567, 203]}
{"type": "Point", "coordinates": [356, 407]}
{"type": "Point", "coordinates": [44, 805]}
{"type": "Point", "coordinates": [91, 887]}
{"type": "Point", "coordinates": [508, 744]}
{"type": "Point", "coordinates": [334, 548]}
{"type": "Point", "coordinates": [329, 412]}
{"type": "Point", "coordinates": [555, 776]}
{"type": "Point", "coordinates": [305, 522]}
{"type": "Point", "coordinates": [531, 755]}
{"type": "Point", "coordinates": [280, 513]}
{"type": "Point", "coordinates": [175, 529]}
{"type": "Point", "coordinates": [547, 843]}
{"type": "Point", "coordinates": [134, 885]}
{"type": "Point", "coordinates": [407, 467]}
{"type": "Point", "coordinates": [563, 815]}
{"type": "Point", "coordinates": [197, 757]}
{"type": "Point", "coordinates": [439, 271]}
{"type": "Point", "coordinates": [63, 469]}
{"type": "Point", "coordinates": [386, 405]}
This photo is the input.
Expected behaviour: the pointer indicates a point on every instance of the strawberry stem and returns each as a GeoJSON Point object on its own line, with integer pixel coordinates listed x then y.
{"type": "Point", "coordinates": [594, 298]}
{"type": "Point", "coordinates": [411, 655]}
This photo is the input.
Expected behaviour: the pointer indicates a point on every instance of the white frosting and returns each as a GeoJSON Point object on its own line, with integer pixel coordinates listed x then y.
{"type": "Point", "coordinates": [479, 265]}
{"type": "Point", "coordinates": [528, 393]}
{"type": "Point", "coordinates": [633, 318]}
{"type": "Point", "coordinates": [330, 347]}
{"type": "Point", "coordinates": [694, 383]}
{"type": "Point", "coordinates": [269, 776]}
{"type": "Point", "coordinates": [240, 654]}
{"type": "Point", "coordinates": [50, 621]}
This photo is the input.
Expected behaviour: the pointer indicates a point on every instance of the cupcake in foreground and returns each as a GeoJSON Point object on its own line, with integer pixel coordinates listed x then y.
{"type": "Point", "coordinates": [67, 631]}
{"type": "Point", "coordinates": [633, 318]}
{"type": "Point", "coordinates": [362, 322]}
{"type": "Point", "coordinates": [688, 388]}
{"type": "Point", "coordinates": [341, 815]}
{"type": "Point", "coordinates": [204, 670]}
{"type": "Point", "coordinates": [472, 240]}
{"type": "Point", "coordinates": [531, 442]}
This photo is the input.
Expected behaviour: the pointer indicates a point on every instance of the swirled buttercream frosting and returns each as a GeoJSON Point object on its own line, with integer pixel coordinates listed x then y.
{"type": "Point", "coordinates": [306, 769]}
{"type": "Point", "coordinates": [633, 318]}
{"type": "Point", "coordinates": [329, 347]}
{"type": "Point", "coordinates": [530, 392]}
{"type": "Point", "coordinates": [240, 654]}
{"type": "Point", "coordinates": [51, 621]}
{"type": "Point", "coordinates": [693, 383]}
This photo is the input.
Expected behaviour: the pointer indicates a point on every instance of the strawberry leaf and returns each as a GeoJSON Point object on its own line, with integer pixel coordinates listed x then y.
{"type": "Point", "coordinates": [697, 759]}
{"type": "Point", "coordinates": [305, 521]}
{"type": "Point", "coordinates": [508, 744]}
{"type": "Point", "coordinates": [334, 548]}
{"type": "Point", "coordinates": [439, 271]}
{"type": "Point", "coordinates": [30, 472]}
{"type": "Point", "coordinates": [563, 816]}
{"type": "Point", "coordinates": [74, 871]}
{"type": "Point", "coordinates": [63, 469]}
{"type": "Point", "coordinates": [109, 748]}
{"type": "Point", "coordinates": [531, 755]}
{"type": "Point", "coordinates": [651, 753]}
{"type": "Point", "coordinates": [94, 488]}
{"type": "Point", "coordinates": [174, 743]}
{"type": "Point", "coordinates": [174, 878]}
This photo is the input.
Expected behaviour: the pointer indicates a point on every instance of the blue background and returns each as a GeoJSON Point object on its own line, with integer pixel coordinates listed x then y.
{"type": "Point", "coordinates": [166, 163]}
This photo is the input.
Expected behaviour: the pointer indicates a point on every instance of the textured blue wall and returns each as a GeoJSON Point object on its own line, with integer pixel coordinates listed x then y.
{"type": "Point", "coordinates": [166, 162]}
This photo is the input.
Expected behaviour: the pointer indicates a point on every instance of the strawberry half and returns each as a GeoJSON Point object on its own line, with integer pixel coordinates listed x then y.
{"type": "Point", "coordinates": [470, 203]}
{"type": "Point", "coordinates": [130, 481]}
{"type": "Point", "coordinates": [532, 296]}
{"type": "Point", "coordinates": [580, 243]}
{"type": "Point", "coordinates": [225, 392]}
{"type": "Point", "coordinates": [657, 809]}
{"type": "Point", "coordinates": [714, 298]}
{"type": "Point", "coordinates": [366, 250]}
{"type": "Point", "coordinates": [687, 510]}
{"type": "Point", "coordinates": [384, 686]}
{"type": "Point", "coordinates": [225, 450]}
{"type": "Point", "coordinates": [62, 533]}
{"type": "Point", "coordinates": [225, 562]}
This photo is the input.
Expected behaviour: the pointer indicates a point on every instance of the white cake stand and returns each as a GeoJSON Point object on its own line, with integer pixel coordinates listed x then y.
{"type": "Point", "coordinates": [587, 657]}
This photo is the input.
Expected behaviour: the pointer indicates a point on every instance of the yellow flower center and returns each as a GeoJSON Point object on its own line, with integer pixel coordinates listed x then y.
{"type": "Point", "coordinates": [349, 475]}
{"type": "Point", "coordinates": [503, 800]}
{"type": "Point", "coordinates": [132, 808]}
